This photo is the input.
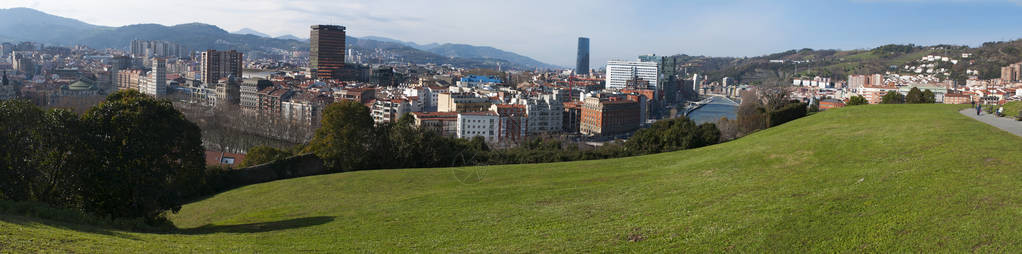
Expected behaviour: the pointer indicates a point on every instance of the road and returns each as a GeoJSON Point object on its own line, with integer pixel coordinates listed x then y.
{"type": "Point", "coordinates": [1004, 123]}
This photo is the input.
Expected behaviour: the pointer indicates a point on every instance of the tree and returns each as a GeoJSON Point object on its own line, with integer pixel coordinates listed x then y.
{"type": "Point", "coordinates": [65, 153]}
{"type": "Point", "coordinates": [259, 155]}
{"type": "Point", "coordinates": [915, 96]}
{"type": "Point", "coordinates": [728, 129]}
{"type": "Point", "coordinates": [751, 114]}
{"type": "Point", "coordinates": [893, 97]}
{"type": "Point", "coordinates": [857, 100]}
{"type": "Point", "coordinates": [929, 97]}
{"type": "Point", "coordinates": [19, 123]}
{"type": "Point", "coordinates": [344, 141]}
{"type": "Point", "coordinates": [672, 135]}
{"type": "Point", "coordinates": [149, 157]}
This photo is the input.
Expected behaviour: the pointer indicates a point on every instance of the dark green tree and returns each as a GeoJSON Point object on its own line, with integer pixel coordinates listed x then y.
{"type": "Point", "coordinates": [929, 97]}
{"type": "Point", "coordinates": [19, 124]}
{"type": "Point", "coordinates": [65, 153]}
{"type": "Point", "coordinates": [915, 96]}
{"type": "Point", "coordinates": [893, 97]}
{"type": "Point", "coordinates": [345, 140]}
{"type": "Point", "coordinates": [857, 100]}
{"type": "Point", "coordinates": [149, 157]}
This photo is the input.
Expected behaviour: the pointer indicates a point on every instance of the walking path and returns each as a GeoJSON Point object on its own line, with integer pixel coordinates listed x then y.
{"type": "Point", "coordinates": [1005, 123]}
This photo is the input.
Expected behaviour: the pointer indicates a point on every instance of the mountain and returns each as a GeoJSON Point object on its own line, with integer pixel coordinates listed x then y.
{"type": "Point", "coordinates": [24, 24]}
{"type": "Point", "coordinates": [290, 37]}
{"type": "Point", "coordinates": [844, 179]}
{"type": "Point", "coordinates": [469, 51]}
{"type": "Point", "coordinates": [246, 30]}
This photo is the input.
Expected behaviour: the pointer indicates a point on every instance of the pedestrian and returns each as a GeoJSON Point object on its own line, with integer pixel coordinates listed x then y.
{"type": "Point", "coordinates": [973, 102]}
{"type": "Point", "coordinates": [979, 108]}
{"type": "Point", "coordinates": [1000, 111]}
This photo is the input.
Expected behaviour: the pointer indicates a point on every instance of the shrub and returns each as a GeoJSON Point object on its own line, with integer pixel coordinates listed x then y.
{"type": "Point", "coordinates": [259, 155]}
{"type": "Point", "coordinates": [893, 97]}
{"type": "Point", "coordinates": [786, 114]}
{"type": "Point", "coordinates": [857, 100]}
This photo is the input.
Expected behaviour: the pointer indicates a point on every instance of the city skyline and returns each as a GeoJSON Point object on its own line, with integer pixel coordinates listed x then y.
{"type": "Point", "coordinates": [711, 28]}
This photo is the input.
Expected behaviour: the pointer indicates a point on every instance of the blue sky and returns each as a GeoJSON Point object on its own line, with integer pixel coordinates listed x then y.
{"type": "Point", "coordinates": [547, 29]}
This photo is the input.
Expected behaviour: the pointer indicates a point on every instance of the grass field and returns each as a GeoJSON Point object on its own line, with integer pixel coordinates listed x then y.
{"type": "Point", "coordinates": [1012, 108]}
{"type": "Point", "coordinates": [889, 178]}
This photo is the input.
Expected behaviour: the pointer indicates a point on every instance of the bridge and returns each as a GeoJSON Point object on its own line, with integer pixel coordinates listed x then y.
{"type": "Point", "coordinates": [693, 106]}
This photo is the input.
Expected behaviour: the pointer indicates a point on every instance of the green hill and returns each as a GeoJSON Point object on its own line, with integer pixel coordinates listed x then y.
{"type": "Point", "coordinates": [891, 178]}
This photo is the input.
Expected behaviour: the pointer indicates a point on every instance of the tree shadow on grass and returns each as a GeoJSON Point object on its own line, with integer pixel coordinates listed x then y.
{"type": "Point", "coordinates": [26, 221]}
{"type": "Point", "coordinates": [259, 227]}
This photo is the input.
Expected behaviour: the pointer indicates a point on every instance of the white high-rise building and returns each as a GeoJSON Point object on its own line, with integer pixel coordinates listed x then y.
{"type": "Point", "coordinates": [620, 72]}
{"type": "Point", "coordinates": [157, 83]}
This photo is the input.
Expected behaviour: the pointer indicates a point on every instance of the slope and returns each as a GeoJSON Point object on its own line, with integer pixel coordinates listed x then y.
{"type": "Point", "coordinates": [891, 178]}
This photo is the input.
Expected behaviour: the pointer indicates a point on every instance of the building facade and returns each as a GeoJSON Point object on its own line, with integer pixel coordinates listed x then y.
{"type": "Point", "coordinates": [216, 65]}
{"type": "Point", "coordinates": [1012, 73]}
{"type": "Point", "coordinates": [582, 60]}
{"type": "Point", "coordinates": [156, 84]}
{"type": "Point", "coordinates": [445, 124]}
{"type": "Point", "coordinates": [389, 111]}
{"type": "Point", "coordinates": [619, 73]}
{"type": "Point", "coordinates": [609, 116]}
{"type": "Point", "coordinates": [478, 124]}
{"type": "Point", "coordinates": [326, 52]}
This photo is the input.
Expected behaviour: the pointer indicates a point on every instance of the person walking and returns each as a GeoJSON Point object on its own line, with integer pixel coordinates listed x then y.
{"type": "Point", "coordinates": [979, 108]}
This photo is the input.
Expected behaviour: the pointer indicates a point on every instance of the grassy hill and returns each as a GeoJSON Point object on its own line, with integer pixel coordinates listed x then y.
{"type": "Point", "coordinates": [891, 178]}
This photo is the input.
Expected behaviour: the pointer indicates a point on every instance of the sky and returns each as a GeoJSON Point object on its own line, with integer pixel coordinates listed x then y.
{"type": "Point", "coordinates": [547, 30]}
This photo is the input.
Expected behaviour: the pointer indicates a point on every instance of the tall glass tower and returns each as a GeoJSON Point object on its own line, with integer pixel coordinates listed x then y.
{"type": "Point", "coordinates": [582, 62]}
{"type": "Point", "coordinates": [326, 51]}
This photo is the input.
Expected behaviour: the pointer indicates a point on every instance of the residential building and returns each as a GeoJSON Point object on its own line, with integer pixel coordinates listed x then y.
{"type": "Point", "coordinates": [582, 59]}
{"type": "Point", "coordinates": [609, 116]}
{"type": "Point", "coordinates": [860, 81]}
{"type": "Point", "coordinates": [571, 118]}
{"type": "Point", "coordinates": [478, 124]}
{"type": "Point", "coordinates": [304, 109]}
{"type": "Point", "coordinates": [545, 115]}
{"type": "Point", "coordinates": [271, 99]}
{"type": "Point", "coordinates": [957, 98]}
{"type": "Point", "coordinates": [461, 102]}
{"type": "Point", "coordinates": [389, 111]}
{"type": "Point", "coordinates": [129, 79]}
{"type": "Point", "coordinates": [249, 92]}
{"type": "Point", "coordinates": [362, 95]}
{"type": "Point", "coordinates": [1012, 73]}
{"type": "Point", "coordinates": [326, 52]}
{"type": "Point", "coordinates": [619, 73]}
{"type": "Point", "coordinates": [512, 123]}
{"type": "Point", "coordinates": [220, 64]}
{"type": "Point", "coordinates": [156, 84]}
{"type": "Point", "coordinates": [445, 124]}
{"type": "Point", "coordinates": [147, 49]}
{"type": "Point", "coordinates": [228, 90]}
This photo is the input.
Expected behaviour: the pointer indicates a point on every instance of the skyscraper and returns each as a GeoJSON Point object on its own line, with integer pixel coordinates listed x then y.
{"type": "Point", "coordinates": [220, 64]}
{"type": "Point", "coordinates": [582, 62]}
{"type": "Point", "coordinates": [326, 52]}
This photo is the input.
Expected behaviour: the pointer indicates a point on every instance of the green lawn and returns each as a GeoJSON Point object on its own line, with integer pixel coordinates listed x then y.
{"type": "Point", "coordinates": [887, 178]}
{"type": "Point", "coordinates": [1012, 108]}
